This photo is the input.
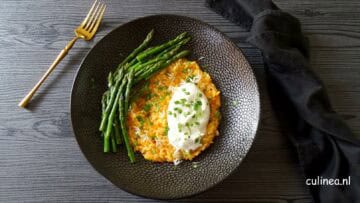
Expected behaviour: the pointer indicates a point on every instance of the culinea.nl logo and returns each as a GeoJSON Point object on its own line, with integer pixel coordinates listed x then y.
{"type": "Point", "coordinates": [319, 180]}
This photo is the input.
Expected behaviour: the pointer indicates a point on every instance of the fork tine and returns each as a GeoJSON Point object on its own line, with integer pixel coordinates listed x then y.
{"type": "Point", "coordinates": [89, 14]}
{"type": "Point", "coordinates": [93, 14]}
{"type": "Point", "coordinates": [94, 19]}
{"type": "Point", "coordinates": [95, 24]}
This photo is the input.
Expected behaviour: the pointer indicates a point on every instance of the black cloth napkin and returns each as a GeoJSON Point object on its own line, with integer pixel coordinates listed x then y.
{"type": "Point", "coordinates": [325, 145]}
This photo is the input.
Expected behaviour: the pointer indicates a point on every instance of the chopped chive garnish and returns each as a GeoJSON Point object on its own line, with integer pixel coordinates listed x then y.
{"type": "Point", "coordinates": [197, 140]}
{"type": "Point", "coordinates": [147, 107]}
{"type": "Point", "coordinates": [148, 96]}
{"type": "Point", "coordinates": [161, 88]}
{"type": "Point", "coordinates": [185, 70]}
{"type": "Point", "coordinates": [217, 114]}
{"type": "Point", "coordinates": [140, 120]}
{"type": "Point", "coordinates": [162, 98]}
{"type": "Point", "coordinates": [197, 105]}
{"type": "Point", "coordinates": [190, 78]}
{"type": "Point", "coordinates": [166, 130]}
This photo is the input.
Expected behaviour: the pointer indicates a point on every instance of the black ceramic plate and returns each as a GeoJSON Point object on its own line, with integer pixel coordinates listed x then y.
{"type": "Point", "coordinates": [231, 74]}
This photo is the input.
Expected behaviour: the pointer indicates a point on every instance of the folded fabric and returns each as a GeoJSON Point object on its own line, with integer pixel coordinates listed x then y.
{"type": "Point", "coordinates": [325, 145]}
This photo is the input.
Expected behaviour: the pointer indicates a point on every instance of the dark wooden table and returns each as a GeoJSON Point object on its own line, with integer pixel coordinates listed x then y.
{"type": "Point", "coordinates": [40, 160]}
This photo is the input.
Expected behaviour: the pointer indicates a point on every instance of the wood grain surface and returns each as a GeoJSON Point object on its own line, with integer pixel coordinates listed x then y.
{"type": "Point", "coordinates": [40, 160]}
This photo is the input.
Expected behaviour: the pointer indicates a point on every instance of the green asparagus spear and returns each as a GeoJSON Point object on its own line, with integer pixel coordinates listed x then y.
{"type": "Point", "coordinates": [113, 142]}
{"type": "Point", "coordinates": [159, 48]}
{"type": "Point", "coordinates": [131, 63]}
{"type": "Point", "coordinates": [154, 61]}
{"type": "Point", "coordinates": [130, 59]}
{"type": "Point", "coordinates": [110, 118]}
{"type": "Point", "coordinates": [122, 117]}
{"type": "Point", "coordinates": [117, 131]}
{"type": "Point", "coordinates": [104, 102]}
{"type": "Point", "coordinates": [164, 55]}
{"type": "Point", "coordinates": [140, 48]}
{"type": "Point", "coordinates": [113, 92]}
{"type": "Point", "coordinates": [179, 44]}
{"type": "Point", "coordinates": [162, 64]}
{"type": "Point", "coordinates": [128, 88]}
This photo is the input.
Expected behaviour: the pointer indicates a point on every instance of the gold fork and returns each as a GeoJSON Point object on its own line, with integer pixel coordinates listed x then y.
{"type": "Point", "coordinates": [85, 31]}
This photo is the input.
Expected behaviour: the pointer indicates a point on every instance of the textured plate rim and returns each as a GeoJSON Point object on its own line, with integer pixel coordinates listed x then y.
{"type": "Point", "coordinates": [256, 126]}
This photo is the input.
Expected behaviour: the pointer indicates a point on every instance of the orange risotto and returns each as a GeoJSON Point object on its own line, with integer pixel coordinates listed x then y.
{"type": "Point", "coordinates": [147, 117]}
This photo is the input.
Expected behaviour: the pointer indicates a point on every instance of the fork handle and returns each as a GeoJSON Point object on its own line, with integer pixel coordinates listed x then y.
{"type": "Point", "coordinates": [61, 55]}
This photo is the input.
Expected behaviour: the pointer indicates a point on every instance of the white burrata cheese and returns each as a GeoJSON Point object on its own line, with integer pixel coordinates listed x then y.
{"type": "Point", "coordinates": [187, 117]}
